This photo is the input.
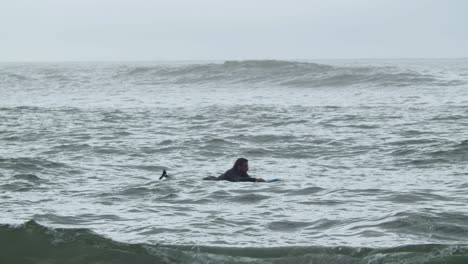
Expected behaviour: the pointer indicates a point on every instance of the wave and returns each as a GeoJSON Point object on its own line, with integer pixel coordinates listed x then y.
{"type": "Point", "coordinates": [248, 72]}
{"type": "Point", "coordinates": [456, 153]}
{"type": "Point", "coordinates": [284, 73]}
{"type": "Point", "coordinates": [34, 243]}
{"type": "Point", "coordinates": [419, 156]}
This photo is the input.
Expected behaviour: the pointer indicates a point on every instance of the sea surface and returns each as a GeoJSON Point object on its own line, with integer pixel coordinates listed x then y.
{"type": "Point", "coordinates": [372, 157]}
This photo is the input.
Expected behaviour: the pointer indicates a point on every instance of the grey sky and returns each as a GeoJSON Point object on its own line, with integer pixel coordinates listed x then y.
{"type": "Point", "coordinates": [71, 30]}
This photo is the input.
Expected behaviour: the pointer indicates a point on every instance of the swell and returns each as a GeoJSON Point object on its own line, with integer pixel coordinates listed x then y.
{"type": "Point", "coordinates": [34, 243]}
{"type": "Point", "coordinates": [284, 73]}
{"type": "Point", "coordinates": [248, 72]}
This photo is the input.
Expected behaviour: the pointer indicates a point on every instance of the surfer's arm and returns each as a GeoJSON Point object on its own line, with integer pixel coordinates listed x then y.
{"type": "Point", "coordinates": [247, 179]}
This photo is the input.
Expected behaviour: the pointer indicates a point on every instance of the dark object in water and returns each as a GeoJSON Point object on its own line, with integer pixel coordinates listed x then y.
{"type": "Point", "coordinates": [164, 175]}
{"type": "Point", "coordinates": [210, 178]}
{"type": "Point", "coordinates": [213, 178]}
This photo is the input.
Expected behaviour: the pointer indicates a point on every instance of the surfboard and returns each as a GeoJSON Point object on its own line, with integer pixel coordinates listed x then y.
{"type": "Point", "coordinates": [273, 180]}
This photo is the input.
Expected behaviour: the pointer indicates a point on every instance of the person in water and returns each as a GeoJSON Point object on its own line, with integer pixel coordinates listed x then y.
{"type": "Point", "coordinates": [238, 172]}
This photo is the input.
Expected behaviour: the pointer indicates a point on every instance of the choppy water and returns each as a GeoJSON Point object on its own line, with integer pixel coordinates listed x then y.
{"type": "Point", "coordinates": [372, 157]}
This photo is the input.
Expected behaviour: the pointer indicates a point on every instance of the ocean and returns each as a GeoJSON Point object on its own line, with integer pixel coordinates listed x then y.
{"type": "Point", "coordinates": [371, 156]}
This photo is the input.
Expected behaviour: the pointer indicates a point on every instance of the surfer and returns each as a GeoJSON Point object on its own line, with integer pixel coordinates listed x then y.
{"type": "Point", "coordinates": [238, 172]}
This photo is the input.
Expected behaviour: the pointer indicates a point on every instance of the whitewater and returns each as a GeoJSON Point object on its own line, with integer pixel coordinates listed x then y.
{"type": "Point", "coordinates": [371, 156]}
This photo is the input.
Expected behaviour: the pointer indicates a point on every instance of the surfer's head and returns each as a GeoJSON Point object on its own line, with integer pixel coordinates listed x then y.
{"type": "Point", "coordinates": [241, 164]}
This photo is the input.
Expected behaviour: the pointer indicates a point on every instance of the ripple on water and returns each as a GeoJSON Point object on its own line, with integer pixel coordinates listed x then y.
{"type": "Point", "coordinates": [413, 197]}
{"type": "Point", "coordinates": [437, 226]}
{"type": "Point", "coordinates": [31, 164]}
{"type": "Point", "coordinates": [305, 191]}
{"type": "Point", "coordinates": [251, 198]}
{"type": "Point", "coordinates": [27, 177]}
{"type": "Point", "coordinates": [287, 226]}
{"type": "Point", "coordinates": [18, 186]}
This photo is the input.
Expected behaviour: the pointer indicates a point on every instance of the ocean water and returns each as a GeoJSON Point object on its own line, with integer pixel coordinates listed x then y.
{"type": "Point", "coordinates": [372, 157]}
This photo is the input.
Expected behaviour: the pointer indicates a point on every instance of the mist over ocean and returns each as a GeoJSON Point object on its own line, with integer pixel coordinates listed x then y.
{"type": "Point", "coordinates": [372, 156]}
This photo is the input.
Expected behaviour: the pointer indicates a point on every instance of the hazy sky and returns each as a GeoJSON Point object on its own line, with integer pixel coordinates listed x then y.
{"type": "Point", "coordinates": [71, 30]}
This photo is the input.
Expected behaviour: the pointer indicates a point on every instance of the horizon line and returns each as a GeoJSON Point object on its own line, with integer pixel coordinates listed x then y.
{"type": "Point", "coordinates": [218, 60]}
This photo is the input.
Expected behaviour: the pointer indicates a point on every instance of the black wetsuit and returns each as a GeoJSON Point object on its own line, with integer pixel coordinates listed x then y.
{"type": "Point", "coordinates": [234, 175]}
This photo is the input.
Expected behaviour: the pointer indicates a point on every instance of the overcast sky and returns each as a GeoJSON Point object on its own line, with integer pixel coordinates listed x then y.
{"type": "Point", "coordinates": [80, 30]}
